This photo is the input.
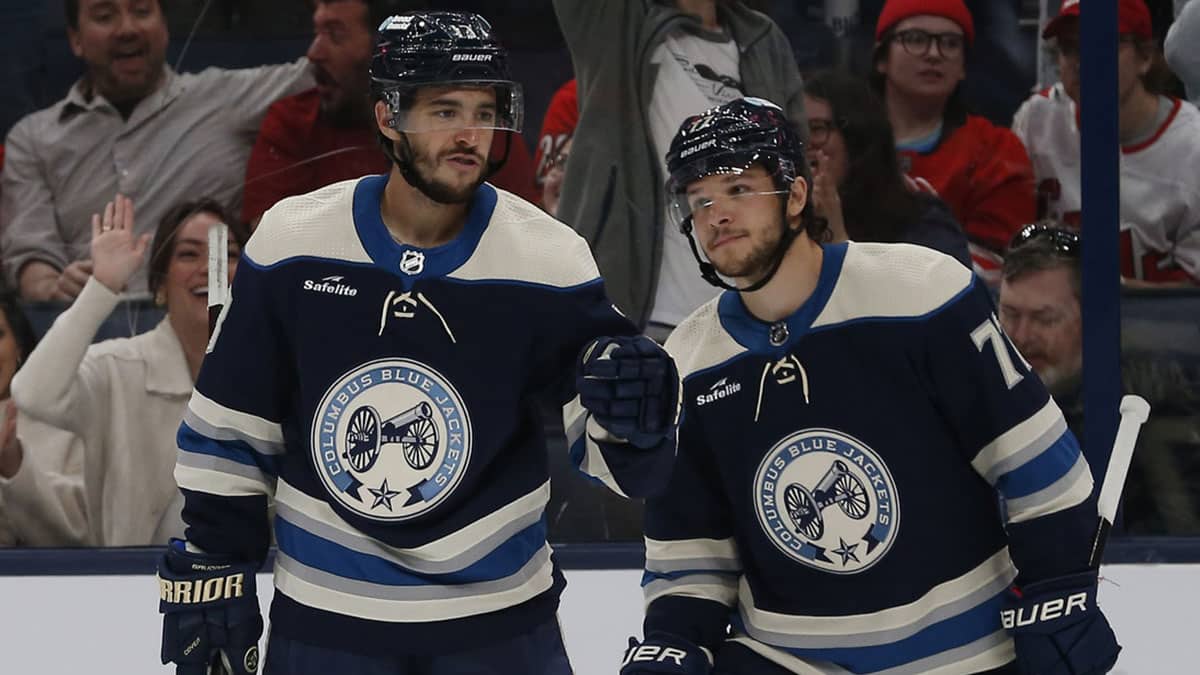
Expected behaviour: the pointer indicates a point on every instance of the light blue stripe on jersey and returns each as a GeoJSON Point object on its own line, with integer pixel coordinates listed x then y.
{"type": "Point", "coordinates": [319, 553]}
{"type": "Point", "coordinates": [190, 440]}
{"type": "Point", "coordinates": [954, 632]}
{"type": "Point", "coordinates": [651, 577]}
{"type": "Point", "coordinates": [1042, 471]}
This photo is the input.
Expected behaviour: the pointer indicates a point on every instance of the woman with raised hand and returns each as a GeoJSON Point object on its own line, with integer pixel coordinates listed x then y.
{"type": "Point", "coordinates": [125, 397]}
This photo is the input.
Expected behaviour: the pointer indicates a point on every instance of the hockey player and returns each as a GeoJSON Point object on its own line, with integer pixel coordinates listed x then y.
{"type": "Point", "coordinates": [851, 412]}
{"type": "Point", "coordinates": [374, 374]}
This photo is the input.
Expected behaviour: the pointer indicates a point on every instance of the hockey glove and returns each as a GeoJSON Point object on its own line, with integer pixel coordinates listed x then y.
{"type": "Point", "coordinates": [1058, 629]}
{"type": "Point", "coordinates": [210, 613]}
{"type": "Point", "coordinates": [631, 388]}
{"type": "Point", "coordinates": [662, 653]}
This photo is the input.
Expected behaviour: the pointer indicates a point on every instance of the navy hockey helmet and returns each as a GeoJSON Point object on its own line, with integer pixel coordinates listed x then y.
{"type": "Point", "coordinates": [729, 139]}
{"type": "Point", "coordinates": [438, 48]}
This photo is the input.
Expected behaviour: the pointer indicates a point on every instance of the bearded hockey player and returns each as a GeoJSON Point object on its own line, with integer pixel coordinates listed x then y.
{"type": "Point", "coordinates": [374, 375]}
{"type": "Point", "coordinates": [852, 413]}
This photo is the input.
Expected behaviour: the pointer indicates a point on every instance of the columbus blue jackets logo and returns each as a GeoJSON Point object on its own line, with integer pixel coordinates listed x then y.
{"type": "Point", "coordinates": [827, 501]}
{"type": "Point", "coordinates": [391, 439]}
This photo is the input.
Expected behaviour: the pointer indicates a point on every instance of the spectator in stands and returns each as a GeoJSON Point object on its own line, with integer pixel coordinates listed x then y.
{"type": "Point", "coordinates": [41, 467]}
{"type": "Point", "coordinates": [1040, 311]}
{"type": "Point", "coordinates": [327, 134]}
{"type": "Point", "coordinates": [130, 125]}
{"type": "Point", "coordinates": [1160, 150]}
{"type": "Point", "coordinates": [642, 68]}
{"type": "Point", "coordinates": [980, 170]}
{"type": "Point", "coordinates": [857, 183]}
{"type": "Point", "coordinates": [556, 171]}
{"type": "Point", "coordinates": [125, 397]}
{"type": "Point", "coordinates": [554, 144]}
{"type": "Point", "coordinates": [1182, 55]}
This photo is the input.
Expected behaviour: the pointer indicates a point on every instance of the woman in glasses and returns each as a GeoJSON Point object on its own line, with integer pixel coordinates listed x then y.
{"type": "Point", "coordinates": [858, 186]}
{"type": "Point", "coordinates": [981, 171]}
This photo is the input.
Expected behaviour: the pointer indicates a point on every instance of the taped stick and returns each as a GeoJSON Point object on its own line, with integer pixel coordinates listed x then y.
{"type": "Point", "coordinates": [218, 271]}
{"type": "Point", "coordinates": [1134, 412]}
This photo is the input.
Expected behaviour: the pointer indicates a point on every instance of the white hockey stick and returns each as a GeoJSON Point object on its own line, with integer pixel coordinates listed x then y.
{"type": "Point", "coordinates": [218, 271]}
{"type": "Point", "coordinates": [1134, 412]}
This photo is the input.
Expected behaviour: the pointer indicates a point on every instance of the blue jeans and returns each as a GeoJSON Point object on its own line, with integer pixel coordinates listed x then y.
{"type": "Point", "coordinates": [539, 651]}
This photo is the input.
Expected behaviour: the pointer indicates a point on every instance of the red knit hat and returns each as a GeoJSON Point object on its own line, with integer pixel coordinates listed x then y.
{"type": "Point", "coordinates": [895, 11]}
{"type": "Point", "coordinates": [1133, 18]}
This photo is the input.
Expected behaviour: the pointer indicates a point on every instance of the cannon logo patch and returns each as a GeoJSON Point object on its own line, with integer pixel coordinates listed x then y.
{"type": "Point", "coordinates": [827, 500]}
{"type": "Point", "coordinates": [391, 439]}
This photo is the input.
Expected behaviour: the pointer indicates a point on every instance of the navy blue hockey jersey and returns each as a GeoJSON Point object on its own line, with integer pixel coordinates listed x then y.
{"type": "Point", "coordinates": [837, 495]}
{"type": "Point", "coordinates": [383, 397]}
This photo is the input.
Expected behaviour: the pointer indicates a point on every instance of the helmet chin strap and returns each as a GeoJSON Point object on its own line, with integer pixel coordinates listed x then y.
{"type": "Point", "coordinates": [709, 272]}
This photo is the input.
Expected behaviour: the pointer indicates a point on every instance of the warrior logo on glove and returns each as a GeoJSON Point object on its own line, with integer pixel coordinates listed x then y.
{"type": "Point", "coordinates": [828, 501]}
{"type": "Point", "coordinates": [391, 439]}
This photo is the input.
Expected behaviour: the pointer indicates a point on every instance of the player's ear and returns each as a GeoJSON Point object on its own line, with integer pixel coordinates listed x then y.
{"type": "Point", "coordinates": [797, 197]}
{"type": "Point", "coordinates": [383, 119]}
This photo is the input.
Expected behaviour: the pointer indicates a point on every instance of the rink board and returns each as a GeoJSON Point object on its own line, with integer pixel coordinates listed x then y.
{"type": "Point", "coordinates": [109, 624]}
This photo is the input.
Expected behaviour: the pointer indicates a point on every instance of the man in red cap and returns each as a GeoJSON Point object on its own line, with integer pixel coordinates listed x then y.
{"type": "Point", "coordinates": [980, 170]}
{"type": "Point", "coordinates": [1160, 150]}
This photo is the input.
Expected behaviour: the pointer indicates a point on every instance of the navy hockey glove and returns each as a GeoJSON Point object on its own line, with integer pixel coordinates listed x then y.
{"type": "Point", "coordinates": [1058, 629]}
{"type": "Point", "coordinates": [210, 613]}
{"type": "Point", "coordinates": [662, 653]}
{"type": "Point", "coordinates": [631, 388]}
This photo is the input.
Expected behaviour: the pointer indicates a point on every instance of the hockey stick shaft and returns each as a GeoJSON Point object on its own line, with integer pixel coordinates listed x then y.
{"type": "Point", "coordinates": [1134, 412]}
{"type": "Point", "coordinates": [218, 271]}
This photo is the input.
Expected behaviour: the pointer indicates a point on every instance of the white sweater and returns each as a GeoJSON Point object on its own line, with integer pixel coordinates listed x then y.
{"type": "Point", "coordinates": [124, 398]}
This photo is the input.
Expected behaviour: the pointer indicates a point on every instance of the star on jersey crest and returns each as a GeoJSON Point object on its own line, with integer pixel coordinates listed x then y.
{"type": "Point", "coordinates": [846, 551]}
{"type": "Point", "coordinates": [384, 496]}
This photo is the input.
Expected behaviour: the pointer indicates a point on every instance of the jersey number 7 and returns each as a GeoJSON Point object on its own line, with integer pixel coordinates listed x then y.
{"type": "Point", "coordinates": [989, 332]}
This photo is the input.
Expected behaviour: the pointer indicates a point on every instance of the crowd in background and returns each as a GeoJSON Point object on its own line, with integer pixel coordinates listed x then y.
{"type": "Point", "coordinates": [107, 195]}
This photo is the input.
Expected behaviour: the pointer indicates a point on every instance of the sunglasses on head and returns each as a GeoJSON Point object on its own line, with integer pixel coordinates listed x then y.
{"type": "Point", "coordinates": [1064, 241]}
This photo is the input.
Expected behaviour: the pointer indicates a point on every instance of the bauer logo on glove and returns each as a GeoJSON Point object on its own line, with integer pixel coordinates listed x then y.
{"type": "Point", "coordinates": [1044, 611]}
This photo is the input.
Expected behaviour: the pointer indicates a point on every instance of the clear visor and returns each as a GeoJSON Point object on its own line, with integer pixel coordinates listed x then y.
{"type": "Point", "coordinates": [694, 196]}
{"type": "Point", "coordinates": [482, 104]}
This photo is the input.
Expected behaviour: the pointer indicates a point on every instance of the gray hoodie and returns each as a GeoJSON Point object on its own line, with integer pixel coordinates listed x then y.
{"type": "Point", "coordinates": [613, 190]}
{"type": "Point", "coordinates": [1182, 54]}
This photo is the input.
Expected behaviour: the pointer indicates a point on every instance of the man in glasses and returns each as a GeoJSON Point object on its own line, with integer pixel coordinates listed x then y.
{"type": "Point", "coordinates": [1160, 149]}
{"type": "Point", "coordinates": [1040, 310]}
{"type": "Point", "coordinates": [980, 170]}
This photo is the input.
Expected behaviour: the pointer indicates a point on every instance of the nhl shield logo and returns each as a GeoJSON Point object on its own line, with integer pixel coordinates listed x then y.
{"type": "Point", "coordinates": [827, 501]}
{"type": "Point", "coordinates": [412, 263]}
{"type": "Point", "coordinates": [391, 439]}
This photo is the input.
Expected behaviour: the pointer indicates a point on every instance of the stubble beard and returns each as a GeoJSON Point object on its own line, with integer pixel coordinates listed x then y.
{"type": "Point", "coordinates": [754, 264]}
{"type": "Point", "coordinates": [425, 167]}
